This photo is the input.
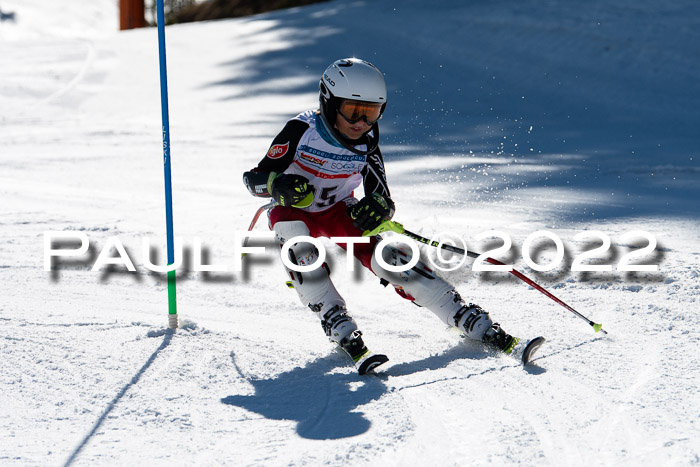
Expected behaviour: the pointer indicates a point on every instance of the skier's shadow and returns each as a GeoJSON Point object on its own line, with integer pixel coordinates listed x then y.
{"type": "Point", "coordinates": [322, 402]}
{"type": "Point", "coordinates": [461, 351]}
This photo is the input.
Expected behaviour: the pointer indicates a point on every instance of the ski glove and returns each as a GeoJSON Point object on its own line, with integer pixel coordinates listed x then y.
{"type": "Point", "coordinates": [371, 211]}
{"type": "Point", "coordinates": [290, 190]}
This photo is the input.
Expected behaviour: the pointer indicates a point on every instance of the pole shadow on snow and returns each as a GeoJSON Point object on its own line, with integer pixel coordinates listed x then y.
{"type": "Point", "coordinates": [323, 403]}
{"type": "Point", "coordinates": [168, 336]}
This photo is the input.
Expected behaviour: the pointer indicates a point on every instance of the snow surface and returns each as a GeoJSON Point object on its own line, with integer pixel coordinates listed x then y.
{"type": "Point", "coordinates": [511, 115]}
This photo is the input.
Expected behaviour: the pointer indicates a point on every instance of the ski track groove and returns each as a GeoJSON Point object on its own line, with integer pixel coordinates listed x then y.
{"type": "Point", "coordinates": [82, 72]}
{"type": "Point", "coordinates": [618, 415]}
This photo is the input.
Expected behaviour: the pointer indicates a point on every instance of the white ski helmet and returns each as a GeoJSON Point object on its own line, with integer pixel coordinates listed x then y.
{"type": "Point", "coordinates": [352, 79]}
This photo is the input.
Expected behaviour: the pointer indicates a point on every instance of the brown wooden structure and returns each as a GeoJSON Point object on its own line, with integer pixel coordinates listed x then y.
{"type": "Point", "coordinates": [131, 14]}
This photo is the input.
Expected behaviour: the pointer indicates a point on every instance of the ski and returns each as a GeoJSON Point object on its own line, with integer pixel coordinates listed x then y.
{"type": "Point", "coordinates": [524, 351]}
{"type": "Point", "coordinates": [530, 349]}
{"type": "Point", "coordinates": [515, 347]}
{"type": "Point", "coordinates": [365, 361]}
{"type": "Point", "coordinates": [369, 361]}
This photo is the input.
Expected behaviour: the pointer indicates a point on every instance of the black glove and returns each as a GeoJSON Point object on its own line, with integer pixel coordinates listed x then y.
{"type": "Point", "coordinates": [290, 189]}
{"type": "Point", "coordinates": [371, 211]}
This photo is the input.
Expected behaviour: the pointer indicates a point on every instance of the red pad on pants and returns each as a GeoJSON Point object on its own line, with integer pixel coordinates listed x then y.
{"type": "Point", "coordinates": [332, 222]}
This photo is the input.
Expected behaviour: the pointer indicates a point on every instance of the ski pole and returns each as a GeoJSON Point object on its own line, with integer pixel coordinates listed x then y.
{"type": "Point", "coordinates": [260, 210]}
{"type": "Point", "coordinates": [398, 228]}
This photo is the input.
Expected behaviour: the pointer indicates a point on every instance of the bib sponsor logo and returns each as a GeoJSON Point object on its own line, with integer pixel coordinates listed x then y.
{"type": "Point", "coordinates": [278, 150]}
{"type": "Point", "coordinates": [330, 155]}
{"type": "Point", "coordinates": [347, 166]}
{"type": "Point", "coordinates": [312, 159]}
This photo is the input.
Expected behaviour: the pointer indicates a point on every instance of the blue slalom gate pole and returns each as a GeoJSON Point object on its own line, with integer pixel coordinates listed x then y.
{"type": "Point", "coordinates": [172, 302]}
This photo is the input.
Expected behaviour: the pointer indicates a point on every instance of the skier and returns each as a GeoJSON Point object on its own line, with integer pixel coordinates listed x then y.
{"type": "Point", "coordinates": [311, 170]}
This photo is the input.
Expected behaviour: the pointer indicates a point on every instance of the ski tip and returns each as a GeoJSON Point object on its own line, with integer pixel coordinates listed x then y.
{"type": "Point", "coordinates": [531, 348]}
{"type": "Point", "coordinates": [368, 364]}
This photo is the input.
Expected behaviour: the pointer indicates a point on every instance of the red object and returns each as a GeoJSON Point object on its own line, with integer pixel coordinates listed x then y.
{"type": "Point", "coordinates": [278, 150]}
{"type": "Point", "coordinates": [333, 222]}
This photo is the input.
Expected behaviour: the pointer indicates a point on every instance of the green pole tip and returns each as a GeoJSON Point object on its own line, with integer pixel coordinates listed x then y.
{"type": "Point", "coordinates": [597, 327]}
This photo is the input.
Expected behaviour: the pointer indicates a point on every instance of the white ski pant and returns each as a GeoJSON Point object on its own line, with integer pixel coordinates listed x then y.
{"type": "Point", "coordinates": [315, 288]}
{"type": "Point", "coordinates": [419, 284]}
{"type": "Point", "coordinates": [427, 289]}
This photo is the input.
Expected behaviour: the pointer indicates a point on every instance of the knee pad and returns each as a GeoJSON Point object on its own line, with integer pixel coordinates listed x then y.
{"type": "Point", "coordinates": [315, 288]}
{"type": "Point", "coordinates": [419, 284]}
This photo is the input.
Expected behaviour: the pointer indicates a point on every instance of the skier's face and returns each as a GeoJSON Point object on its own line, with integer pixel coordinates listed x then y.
{"type": "Point", "coordinates": [351, 130]}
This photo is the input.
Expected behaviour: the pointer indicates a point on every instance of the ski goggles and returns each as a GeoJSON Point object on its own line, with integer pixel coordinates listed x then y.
{"type": "Point", "coordinates": [354, 111]}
